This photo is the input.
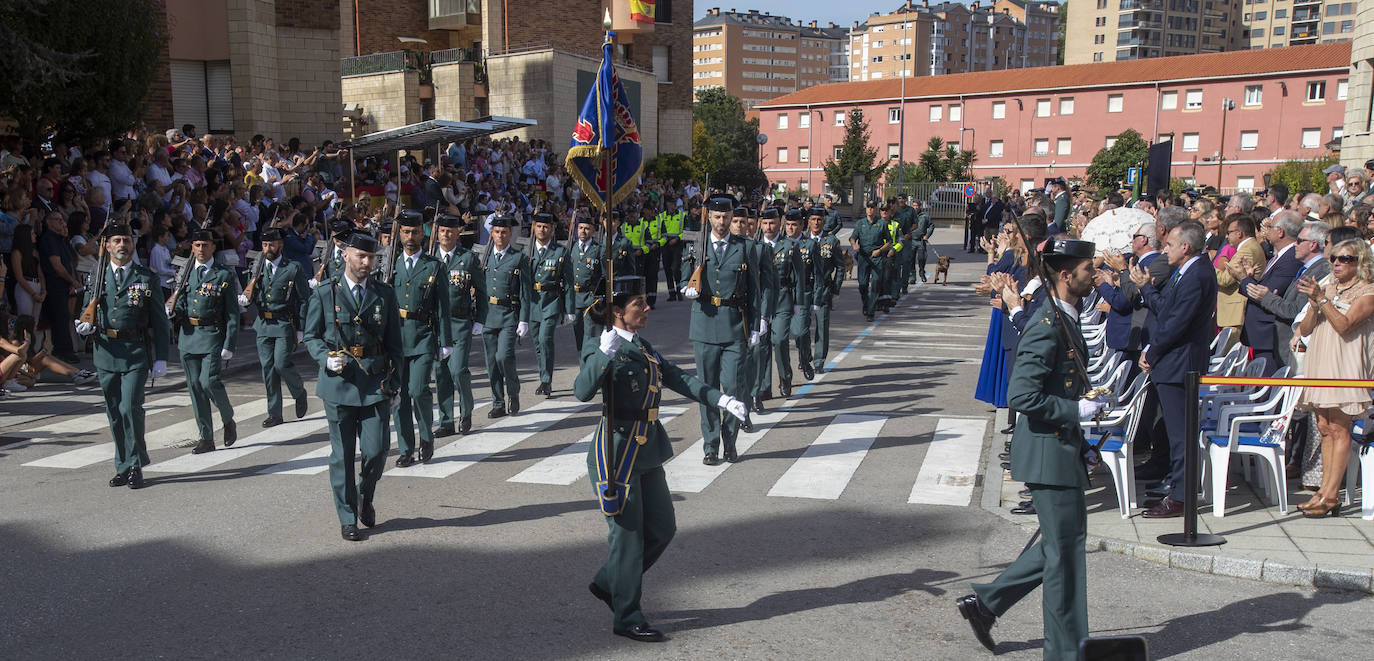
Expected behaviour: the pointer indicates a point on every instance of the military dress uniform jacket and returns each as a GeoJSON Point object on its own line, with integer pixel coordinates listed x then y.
{"type": "Point", "coordinates": [804, 271]}
{"type": "Point", "coordinates": [828, 264]}
{"type": "Point", "coordinates": [464, 273]}
{"type": "Point", "coordinates": [727, 306]}
{"type": "Point", "coordinates": [551, 274]}
{"type": "Point", "coordinates": [423, 304]}
{"type": "Point", "coordinates": [209, 311]}
{"type": "Point", "coordinates": [870, 235]}
{"type": "Point", "coordinates": [585, 279]}
{"type": "Point", "coordinates": [281, 300]}
{"type": "Point", "coordinates": [765, 280]}
{"type": "Point", "coordinates": [624, 256]}
{"type": "Point", "coordinates": [369, 332]}
{"type": "Point", "coordinates": [1047, 446]}
{"type": "Point", "coordinates": [506, 291]}
{"type": "Point", "coordinates": [789, 275]}
{"type": "Point", "coordinates": [124, 316]}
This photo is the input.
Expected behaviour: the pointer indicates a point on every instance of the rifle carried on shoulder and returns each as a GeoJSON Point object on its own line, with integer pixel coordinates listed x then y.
{"type": "Point", "coordinates": [255, 260]}
{"type": "Point", "coordinates": [179, 285]}
{"type": "Point", "coordinates": [97, 285]}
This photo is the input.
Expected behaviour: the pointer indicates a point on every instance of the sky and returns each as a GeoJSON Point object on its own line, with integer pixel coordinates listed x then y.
{"type": "Point", "coordinates": [823, 11]}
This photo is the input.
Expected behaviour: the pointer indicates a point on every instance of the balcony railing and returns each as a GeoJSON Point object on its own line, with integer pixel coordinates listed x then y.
{"type": "Point", "coordinates": [400, 60]}
{"type": "Point", "coordinates": [454, 14]}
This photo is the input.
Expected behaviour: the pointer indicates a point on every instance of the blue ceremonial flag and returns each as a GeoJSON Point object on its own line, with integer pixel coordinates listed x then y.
{"type": "Point", "coordinates": [605, 127]}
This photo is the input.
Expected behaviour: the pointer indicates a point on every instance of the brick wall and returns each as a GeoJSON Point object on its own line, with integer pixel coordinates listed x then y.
{"type": "Point", "coordinates": [381, 21]}
{"type": "Point", "coordinates": [285, 79]}
{"type": "Point", "coordinates": [388, 100]}
{"type": "Point", "coordinates": [157, 110]}
{"type": "Point", "coordinates": [311, 14]}
{"type": "Point", "coordinates": [453, 91]}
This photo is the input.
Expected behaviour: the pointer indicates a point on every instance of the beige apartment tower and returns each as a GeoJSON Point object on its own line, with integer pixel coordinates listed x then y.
{"type": "Point", "coordinates": [1111, 30]}
{"type": "Point", "coordinates": [924, 39]}
{"type": "Point", "coordinates": [756, 56]}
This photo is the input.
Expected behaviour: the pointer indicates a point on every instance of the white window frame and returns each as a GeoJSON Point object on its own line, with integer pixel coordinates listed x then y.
{"type": "Point", "coordinates": [1116, 100]}
{"type": "Point", "coordinates": [803, 154]}
{"type": "Point", "coordinates": [1168, 100]}
{"type": "Point", "coordinates": [996, 149]}
{"type": "Point", "coordinates": [1254, 96]}
{"type": "Point", "coordinates": [1192, 99]}
{"type": "Point", "coordinates": [839, 117]}
{"type": "Point", "coordinates": [999, 109]}
{"type": "Point", "coordinates": [894, 115]}
{"type": "Point", "coordinates": [1246, 184]}
{"type": "Point", "coordinates": [1311, 138]}
{"type": "Point", "coordinates": [894, 150]}
{"type": "Point", "coordinates": [782, 121]}
{"type": "Point", "coordinates": [1063, 146]}
{"type": "Point", "coordinates": [956, 113]}
{"type": "Point", "coordinates": [1040, 147]}
{"type": "Point", "coordinates": [1066, 105]}
{"type": "Point", "coordinates": [1316, 91]}
{"type": "Point", "coordinates": [804, 119]}
{"type": "Point", "coordinates": [1042, 107]}
{"type": "Point", "coordinates": [1249, 140]}
{"type": "Point", "coordinates": [1190, 142]}
{"type": "Point", "coordinates": [1342, 89]}
{"type": "Point", "coordinates": [937, 112]}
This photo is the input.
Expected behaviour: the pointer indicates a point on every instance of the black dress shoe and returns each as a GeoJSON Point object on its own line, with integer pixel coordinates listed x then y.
{"type": "Point", "coordinates": [406, 459]}
{"type": "Point", "coordinates": [514, 404]}
{"type": "Point", "coordinates": [302, 405]}
{"type": "Point", "coordinates": [642, 633]}
{"type": "Point", "coordinates": [350, 533]}
{"type": "Point", "coordinates": [1024, 508]}
{"type": "Point", "coordinates": [367, 515]}
{"type": "Point", "coordinates": [1166, 509]}
{"type": "Point", "coordinates": [231, 434]}
{"type": "Point", "coordinates": [1008, 429]}
{"type": "Point", "coordinates": [731, 456]}
{"type": "Point", "coordinates": [1004, 456]}
{"type": "Point", "coordinates": [979, 617]}
{"type": "Point", "coordinates": [710, 459]}
{"type": "Point", "coordinates": [764, 396]}
{"type": "Point", "coordinates": [426, 451]}
{"type": "Point", "coordinates": [807, 371]}
{"type": "Point", "coordinates": [785, 390]}
{"type": "Point", "coordinates": [135, 478]}
{"type": "Point", "coordinates": [746, 425]}
{"type": "Point", "coordinates": [1024, 493]}
{"type": "Point", "coordinates": [545, 389]}
{"type": "Point", "coordinates": [120, 479]}
{"type": "Point", "coordinates": [465, 424]}
{"type": "Point", "coordinates": [868, 317]}
{"type": "Point", "coordinates": [1159, 491]}
{"type": "Point", "coordinates": [271, 422]}
{"type": "Point", "coordinates": [496, 413]}
{"type": "Point", "coordinates": [443, 432]}
{"type": "Point", "coordinates": [202, 446]}
{"type": "Point", "coordinates": [600, 594]}
{"type": "Point", "coordinates": [757, 407]}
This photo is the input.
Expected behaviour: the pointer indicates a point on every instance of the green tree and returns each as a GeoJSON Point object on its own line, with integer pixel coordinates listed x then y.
{"type": "Point", "coordinates": [731, 140]}
{"type": "Point", "coordinates": [856, 157]}
{"type": "Point", "coordinates": [932, 160]}
{"type": "Point", "coordinates": [1063, 27]}
{"type": "Point", "coordinates": [1303, 175]}
{"type": "Point", "coordinates": [1109, 165]}
{"type": "Point", "coordinates": [77, 69]}
{"type": "Point", "coordinates": [677, 167]}
{"type": "Point", "coordinates": [704, 154]}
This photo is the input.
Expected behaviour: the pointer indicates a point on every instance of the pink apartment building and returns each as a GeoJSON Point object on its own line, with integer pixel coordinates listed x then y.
{"type": "Point", "coordinates": [1030, 124]}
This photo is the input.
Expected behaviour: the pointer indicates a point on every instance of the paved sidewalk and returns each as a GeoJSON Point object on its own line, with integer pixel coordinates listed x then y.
{"type": "Point", "coordinates": [1262, 543]}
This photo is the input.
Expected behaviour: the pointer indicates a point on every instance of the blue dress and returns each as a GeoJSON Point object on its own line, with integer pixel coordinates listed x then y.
{"type": "Point", "coordinates": [995, 372]}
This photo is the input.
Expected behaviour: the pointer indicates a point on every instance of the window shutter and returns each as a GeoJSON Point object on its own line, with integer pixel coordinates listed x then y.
{"type": "Point", "coordinates": [220, 93]}
{"type": "Point", "coordinates": [188, 94]}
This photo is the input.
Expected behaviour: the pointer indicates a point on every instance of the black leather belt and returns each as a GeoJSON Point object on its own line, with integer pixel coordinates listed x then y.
{"type": "Point", "coordinates": [414, 315]}
{"type": "Point", "coordinates": [625, 415]}
{"type": "Point", "coordinates": [284, 315]}
{"type": "Point", "coordinates": [130, 334]}
{"type": "Point", "coordinates": [363, 351]}
{"type": "Point", "coordinates": [201, 321]}
{"type": "Point", "coordinates": [508, 302]}
{"type": "Point", "coordinates": [555, 287]}
{"type": "Point", "coordinates": [725, 302]}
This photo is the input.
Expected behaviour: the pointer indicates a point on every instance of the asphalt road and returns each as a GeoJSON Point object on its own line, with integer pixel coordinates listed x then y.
{"type": "Point", "coordinates": [846, 532]}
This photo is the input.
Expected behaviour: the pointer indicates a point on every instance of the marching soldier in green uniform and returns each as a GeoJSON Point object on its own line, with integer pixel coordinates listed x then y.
{"type": "Point", "coordinates": [828, 274]}
{"type": "Point", "coordinates": [653, 253]}
{"type": "Point", "coordinates": [333, 261]}
{"type": "Point", "coordinates": [671, 227]}
{"type": "Point", "coordinates": [586, 255]}
{"type": "Point", "coordinates": [832, 216]}
{"type": "Point", "coordinates": [785, 258]}
{"type": "Point", "coordinates": [504, 306]}
{"type": "Point", "coordinates": [723, 310]}
{"type": "Point", "coordinates": [420, 285]}
{"type": "Point", "coordinates": [1047, 384]}
{"type": "Point", "coordinates": [920, 236]}
{"type": "Point", "coordinates": [552, 271]}
{"type": "Point", "coordinates": [870, 240]}
{"type": "Point", "coordinates": [353, 330]}
{"type": "Point", "coordinates": [128, 313]}
{"type": "Point", "coordinates": [208, 316]}
{"type": "Point", "coordinates": [280, 294]}
{"type": "Point", "coordinates": [906, 259]}
{"type": "Point", "coordinates": [624, 254]}
{"type": "Point", "coordinates": [744, 224]}
{"type": "Point", "coordinates": [641, 519]}
{"type": "Point", "coordinates": [803, 297]}
{"type": "Point", "coordinates": [463, 271]}
{"type": "Point", "coordinates": [893, 277]}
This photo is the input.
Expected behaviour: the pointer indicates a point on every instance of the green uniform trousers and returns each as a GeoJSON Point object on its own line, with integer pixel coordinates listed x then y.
{"type": "Point", "coordinates": [637, 537]}
{"type": "Point", "coordinates": [498, 345]}
{"type": "Point", "coordinates": [124, 407]}
{"type": "Point", "coordinates": [454, 372]}
{"type": "Point", "coordinates": [417, 402]}
{"type": "Point", "coordinates": [724, 367]}
{"type": "Point", "coordinates": [870, 274]}
{"type": "Point", "coordinates": [274, 353]}
{"type": "Point", "coordinates": [542, 332]}
{"type": "Point", "coordinates": [922, 249]}
{"type": "Point", "coordinates": [202, 381]}
{"type": "Point", "coordinates": [820, 347]}
{"type": "Point", "coordinates": [354, 428]}
{"type": "Point", "coordinates": [1059, 563]}
{"type": "Point", "coordinates": [801, 335]}
{"type": "Point", "coordinates": [780, 337]}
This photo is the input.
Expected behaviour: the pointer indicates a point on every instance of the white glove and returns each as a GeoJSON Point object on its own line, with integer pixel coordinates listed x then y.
{"type": "Point", "coordinates": [763, 325]}
{"type": "Point", "coordinates": [569, 318]}
{"type": "Point", "coordinates": [797, 310]}
{"type": "Point", "coordinates": [168, 308]}
{"type": "Point", "coordinates": [1087, 408]}
{"type": "Point", "coordinates": [313, 283]}
{"type": "Point", "coordinates": [243, 301]}
{"type": "Point", "coordinates": [753, 338]}
{"type": "Point", "coordinates": [395, 400]}
{"type": "Point", "coordinates": [334, 364]}
{"type": "Point", "coordinates": [444, 352]}
{"type": "Point", "coordinates": [476, 328]}
{"type": "Point", "coordinates": [159, 368]}
{"type": "Point", "coordinates": [691, 293]}
{"type": "Point", "coordinates": [733, 407]}
{"type": "Point", "coordinates": [815, 308]}
{"type": "Point", "coordinates": [522, 329]}
{"type": "Point", "coordinates": [83, 328]}
{"type": "Point", "coordinates": [225, 354]}
{"type": "Point", "coordinates": [610, 342]}
{"type": "Point", "coordinates": [300, 336]}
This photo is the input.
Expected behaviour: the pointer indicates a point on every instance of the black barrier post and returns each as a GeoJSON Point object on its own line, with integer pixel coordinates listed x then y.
{"type": "Point", "coordinates": [1191, 448]}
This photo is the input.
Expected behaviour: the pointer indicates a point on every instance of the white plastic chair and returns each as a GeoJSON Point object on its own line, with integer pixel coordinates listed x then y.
{"type": "Point", "coordinates": [1219, 342]}
{"type": "Point", "coordinates": [1254, 429]}
{"type": "Point", "coordinates": [1362, 460]}
{"type": "Point", "coordinates": [1221, 365]}
{"type": "Point", "coordinates": [1108, 372]}
{"type": "Point", "coordinates": [1224, 395]}
{"type": "Point", "coordinates": [1118, 427]}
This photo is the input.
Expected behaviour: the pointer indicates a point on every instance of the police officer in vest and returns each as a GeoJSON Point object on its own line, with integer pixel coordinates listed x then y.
{"type": "Point", "coordinates": [636, 230]}
{"type": "Point", "coordinates": [504, 308]}
{"type": "Point", "coordinates": [208, 315]}
{"type": "Point", "coordinates": [653, 253]}
{"type": "Point", "coordinates": [586, 255]}
{"type": "Point", "coordinates": [828, 266]}
{"type": "Point", "coordinates": [906, 259]}
{"type": "Point", "coordinates": [551, 273]}
{"type": "Point", "coordinates": [129, 306]}
{"type": "Point", "coordinates": [723, 310]}
{"type": "Point", "coordinates": [280, 294]}
{"type": "Point", "coordinates": [1048, 454]}
{"type": "Point", "coordinates": [870, 240]}
{"type": "Point", "coordinates": [463, 271]}
{"type": "Point", "coordinates": [420, 285]}
{"type": "Point", "coordinates": [671, 226]}
{"type": "Point", "coordinates": [353, 330]}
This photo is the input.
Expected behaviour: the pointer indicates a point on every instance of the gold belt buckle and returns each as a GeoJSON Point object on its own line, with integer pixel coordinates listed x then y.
{"type": "Point", "coordinates": [356, 351]}
{"type": "Point", "coordinates": [652, 415]}
{"type": "Point", "coordinates": [716, 300]}
{"type": "Point", "coordinates": [493, 300]}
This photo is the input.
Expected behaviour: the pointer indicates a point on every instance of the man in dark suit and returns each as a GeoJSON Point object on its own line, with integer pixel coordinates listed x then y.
{"type": "Point", "coordinates": [1183, 330]}
{"type": "Point", "coordinates": [1285, 307]}
{"type": "Point", "coordinates": [1126, 318]}
{"type": "Point", "coordinates": [1259, 333]}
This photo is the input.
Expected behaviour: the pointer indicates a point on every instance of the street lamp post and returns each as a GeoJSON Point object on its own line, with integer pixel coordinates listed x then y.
{"type": "Point", "coordinates": [901, 108]}
{"type": "Point", "coordinates": [1227, 105]}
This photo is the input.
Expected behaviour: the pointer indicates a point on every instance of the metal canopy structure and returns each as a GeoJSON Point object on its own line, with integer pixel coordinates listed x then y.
{"type": "Point", "coordinates": [434, 131]}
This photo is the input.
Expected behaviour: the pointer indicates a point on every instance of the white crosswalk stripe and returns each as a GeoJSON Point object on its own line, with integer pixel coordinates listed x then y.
{"type": "Point", "coordinates": [499, 436]}
{"type": "Point", "coordinates": [824, 470]}
{"type": "Point", "coordinates": [950, 467]}
{"type": "Point", "coordinates": [686, 473]}
{"type": "Point", "coordinates": [95, 422]}
{"type": "Point", "coordinates": [194, 463]}
{"type": "Point", "coordinates": [570, 464]}
{"type": "Point", "coordinates": [185, 430]}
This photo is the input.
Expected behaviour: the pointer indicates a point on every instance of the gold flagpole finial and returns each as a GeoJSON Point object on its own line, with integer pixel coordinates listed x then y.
{"type": "Point", "coordinates": [606, 21]}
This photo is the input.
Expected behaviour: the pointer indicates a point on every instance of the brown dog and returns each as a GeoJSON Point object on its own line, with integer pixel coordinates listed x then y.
{"type": "Point", "coordinates": [942, 268]}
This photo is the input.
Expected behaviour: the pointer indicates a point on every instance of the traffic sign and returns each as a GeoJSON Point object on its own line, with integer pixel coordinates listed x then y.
{"type": "Point", "coordinates": [969, 190]}
{"type": "Point", "coordinates": [1132, 175]}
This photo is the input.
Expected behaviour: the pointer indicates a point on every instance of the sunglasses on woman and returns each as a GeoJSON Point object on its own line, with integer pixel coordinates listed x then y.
{"type": "Point", "coordinates": [1346, 259]}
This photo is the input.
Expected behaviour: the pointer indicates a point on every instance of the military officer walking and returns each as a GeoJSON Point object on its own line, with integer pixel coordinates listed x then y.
{"type": "Point", "coordinates": [803, 297]}
{"type": "Point", "coordinates": [1048, 454]}
{"type": "Point", "coordinates": [905, 267]}
{"type": "Point", "coordinates": [551, 273]}
{"type": "Point", "coordinates": [280, 294]}
{"type": "Point", "coordinates": [208, 315]}
{"type": "Point", "coordinates": [870, 240]}
{"type": "Point", "coordinates": [920, 238]}
{"type": "Point", "coordinates": [586, 256]}
{"type": "Point", "coordinates": [463, 271]}
{"type": "Point", "coordinates": [828, 267]}
{"type": "Point", "coordinates": [421, 289]}
{"type": "Point", "coordinates": [784, 257]}
{"type": "Point", "coordinates": [353, 330]}
{"type": "Point", "coordinates": [128, 312]}
{"type": "Point", "coordinates": [744, 223]}
{"type": "Point", "coordinates": [504, 307]}
{"type": "Point", "coordinates": [722, 311]}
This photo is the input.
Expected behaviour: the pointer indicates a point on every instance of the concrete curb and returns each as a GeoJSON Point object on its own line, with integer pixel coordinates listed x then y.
{"type": "Point", "coordinates": [1256, 569]}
